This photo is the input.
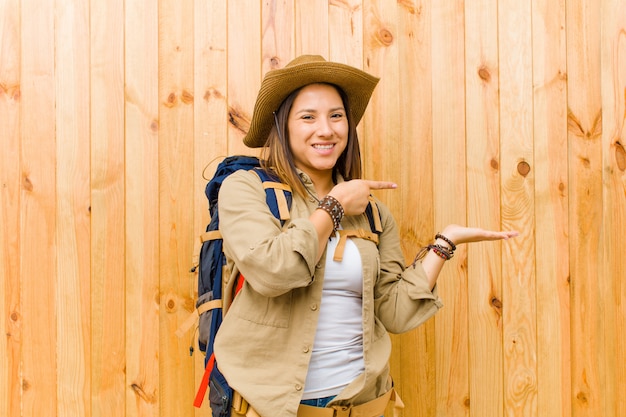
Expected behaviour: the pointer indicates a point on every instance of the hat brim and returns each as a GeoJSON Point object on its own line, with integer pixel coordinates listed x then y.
{"type": "Point", "coordinates": [280, 83]}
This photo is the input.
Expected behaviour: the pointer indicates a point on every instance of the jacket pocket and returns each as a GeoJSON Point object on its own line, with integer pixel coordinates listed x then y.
{"type": "Point", "coordinates": [268, 311]}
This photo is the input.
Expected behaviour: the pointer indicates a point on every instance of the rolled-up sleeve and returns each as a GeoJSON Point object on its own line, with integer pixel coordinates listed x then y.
{"type": "Point", "coordinates": [273, 259]}
{"type": "Point", "coordinates": [403, 297]}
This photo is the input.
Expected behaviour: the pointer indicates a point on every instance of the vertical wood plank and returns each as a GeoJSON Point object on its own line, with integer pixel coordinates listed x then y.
{"type": "Point", "coordinates": [108, 376]}
{"type": "Point", "coordinates": [551, 201]}
{"type": "Point", "coordinates": [413, 356]}
{"type": "Point", "coordinates": [380, 129]}
{"type": "Point", "coordinates": [613, 266]}
{"type": "Point", "coordinates": [176, 110]}
{"type": "Point", "coordinates": [38, 245]}
{"type": "Point", "coordinates": [244, 70]}
{"type": "Point", "coordinates": [311, 27]}
{"type": "Point", "coordinates": [210, 129]}
{"type": "Point", "coordinates": [381, 59]}
{"type": "Point", "coordinates": [141, 205]}
{"type": "Point", "coordinates": [483, 207]}
{"type": "Point", "coordinates": [345, 28]}
{"type": "Point", "coordinates": [277, 34]}
{"type": "Point", "coordinates": [10, 180]}
{"type": "Point", "coordinates": [73, 208]}
{"type": "Point", "coordinates": [585, 203]}
{"type": "Point", "coordinates": [449, 195]}
{"type": "Point", "coordinates": [518, 178]}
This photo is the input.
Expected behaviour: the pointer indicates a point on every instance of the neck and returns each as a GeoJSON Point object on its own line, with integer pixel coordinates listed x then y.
{"type": "Point", "coordinates": [322, 184]}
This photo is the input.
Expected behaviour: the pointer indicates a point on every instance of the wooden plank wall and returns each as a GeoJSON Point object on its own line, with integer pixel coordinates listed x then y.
{"type": "Point", "coordinates": [504, 114]}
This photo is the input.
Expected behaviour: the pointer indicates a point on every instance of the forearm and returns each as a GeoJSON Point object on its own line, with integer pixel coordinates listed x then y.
{"type": "Point", "coordinates": [447, 240]}
{"type": "Point", "coordinates": [433, 263]}
{"type": "Point", "coordinates": [324, 227]}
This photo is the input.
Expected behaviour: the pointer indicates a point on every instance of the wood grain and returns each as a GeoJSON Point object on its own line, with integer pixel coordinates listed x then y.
{"type": "Point", "coordinates": [585, 204]}
{"type": "Point", "coordinates": [312, 27]}
{"type": "Point", "coordinates": [277, 33]}
{"type": "Point", "coordinates": [10, 192]}
{"type": "Point", "coordinates": [500, 114]}
{"type": "Point", "coordinates": [484, 260]}
{"type": "Point", "coordinates": [413, 356]}
{"type": "Point", "coordinates": [551, 202]}
{"type": "Point", "coordinates": [612, 269]}
{"type": "Point", "coordinates": [449, 182]}
{"type": "Point", "coordinates": [108, 277]}
{"type": "Point", "coordinates": [518, 207]}
{"type": "Point", "coordinates": [73, 306]}
{"type": "Point", "coordinates": [38, 212]}
{"type": "Point", "coordinates": [176, 233]}
{"type": "Point", "coordinates": [244, 70]}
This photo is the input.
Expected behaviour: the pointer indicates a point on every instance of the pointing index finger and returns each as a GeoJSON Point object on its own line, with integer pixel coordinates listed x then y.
{"type": "Point", "coordinates": [381, 185]}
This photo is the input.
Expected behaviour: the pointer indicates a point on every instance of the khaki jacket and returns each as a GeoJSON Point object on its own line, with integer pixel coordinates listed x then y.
{"type": "Point", "coordinates": [264, 344]}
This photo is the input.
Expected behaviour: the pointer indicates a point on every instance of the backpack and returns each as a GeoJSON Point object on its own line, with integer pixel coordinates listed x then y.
{"type": "Point", "coordinates": [210, 263]}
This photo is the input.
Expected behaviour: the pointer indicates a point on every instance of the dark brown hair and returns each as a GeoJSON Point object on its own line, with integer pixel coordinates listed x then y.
{"type": "Point", "coordinates": [277, 155]}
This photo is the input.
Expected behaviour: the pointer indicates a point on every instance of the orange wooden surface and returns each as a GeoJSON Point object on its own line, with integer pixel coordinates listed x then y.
{"type": "Point", "coordinates": [503, 114]}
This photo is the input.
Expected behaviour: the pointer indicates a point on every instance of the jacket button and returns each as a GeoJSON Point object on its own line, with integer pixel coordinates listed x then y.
{"type": "Point", "coordinates": [313, 307]}
{"type": "Point", "coordinates": [305, 349]}
{"type": "Point", "coordinates": [298, 387]}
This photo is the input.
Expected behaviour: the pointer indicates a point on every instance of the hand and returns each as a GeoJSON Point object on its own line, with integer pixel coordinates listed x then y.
{"type": "Point", "coordinates": [354, 195]}
{"type": "Point", "coordinates": [461, 234]}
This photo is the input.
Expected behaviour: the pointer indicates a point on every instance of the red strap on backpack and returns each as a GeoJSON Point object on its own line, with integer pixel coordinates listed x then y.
{"type": "Point", "coordinates": [204, 384]}
{"type": "Point", "coordinates": [238, 285]}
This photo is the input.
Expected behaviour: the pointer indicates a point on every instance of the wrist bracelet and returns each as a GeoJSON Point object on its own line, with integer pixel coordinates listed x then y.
{"type": "Point", "coordinates": [445, 239]}
{"type": "Point", "coordinates": [333, 207]}
{"type": "Point", "coordinates": [443, 252]}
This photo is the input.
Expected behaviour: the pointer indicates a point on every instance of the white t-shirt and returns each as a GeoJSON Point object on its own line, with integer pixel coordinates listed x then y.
{"type": "Point", "coordinates": [337, 356]}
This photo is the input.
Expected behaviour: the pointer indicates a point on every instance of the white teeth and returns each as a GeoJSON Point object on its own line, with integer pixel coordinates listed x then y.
{"type": "Point", "coordinates": [323, 146]}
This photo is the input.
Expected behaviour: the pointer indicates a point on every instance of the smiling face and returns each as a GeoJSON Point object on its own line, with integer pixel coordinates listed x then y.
{"type": "Point", "coordinates": [318, 129]}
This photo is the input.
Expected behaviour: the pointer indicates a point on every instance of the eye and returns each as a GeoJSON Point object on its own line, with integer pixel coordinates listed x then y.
{"type": "Point", "coordinates": [307, 117]}
{"type": "Point", "coordinates": [337, 115]}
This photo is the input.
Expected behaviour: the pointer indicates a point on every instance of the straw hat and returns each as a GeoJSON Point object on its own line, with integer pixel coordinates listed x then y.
{"type": "Point", "coordinates": [306, 69]}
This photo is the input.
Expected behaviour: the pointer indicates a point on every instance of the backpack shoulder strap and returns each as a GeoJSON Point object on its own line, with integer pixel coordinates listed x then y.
{"type": "Point", "coordinates": [277, 195]}
{"type": "Point", "coordinates": [376, 228]}
{"type": "Point", "coordinates": [373, 215]}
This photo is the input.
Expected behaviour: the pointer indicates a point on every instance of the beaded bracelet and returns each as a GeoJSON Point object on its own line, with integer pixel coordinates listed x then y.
{"type": "Point", "coordinates": [333, 207]}
{"type": "Point", "coordinates": [445, 239]}
{"type": "Point", "coordinates": [444, 253]}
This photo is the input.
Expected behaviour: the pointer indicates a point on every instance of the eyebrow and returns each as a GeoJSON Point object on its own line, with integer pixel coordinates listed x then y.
{"type": "Point", "coordinates": [315, 111]}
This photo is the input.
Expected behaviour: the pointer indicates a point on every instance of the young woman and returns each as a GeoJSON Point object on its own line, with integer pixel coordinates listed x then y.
{"type": "Point", "coordinates": [308, 333]}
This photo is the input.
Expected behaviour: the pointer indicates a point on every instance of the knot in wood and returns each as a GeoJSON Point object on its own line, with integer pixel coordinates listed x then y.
{"type": "Point", "coordinates": [523, 168]}
{"type": "Point", "coordinates": [171, 100]}
{"type": "Point", "coordinates": [186, 97]}
{"type": "Point", "coordinates": [27, 184]}
{"type": "Point", "coordinates": [385, 36]}
{"type": "Point", "coordinates": [484, 74]}
{"type": "Point", "coordinates": [620, 156]}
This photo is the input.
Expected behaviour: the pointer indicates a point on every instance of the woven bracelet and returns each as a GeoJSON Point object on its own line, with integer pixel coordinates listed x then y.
{"type": "Point", "coordinates": [445, 239]}
{"type": "Point", "coordinates": [441, 251]}
{"type": "Point", "coordinates": [333, 207]}
{"type": "Point", "coordinates": [444, 253]}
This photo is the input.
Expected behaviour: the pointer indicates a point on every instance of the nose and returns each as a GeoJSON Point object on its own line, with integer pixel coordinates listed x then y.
{"type": "Point", "coordinates": [324, 128]}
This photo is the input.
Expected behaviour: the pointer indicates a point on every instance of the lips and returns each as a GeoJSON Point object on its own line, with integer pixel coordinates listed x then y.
{"type": "Point", "coordinates": [324, 147]}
